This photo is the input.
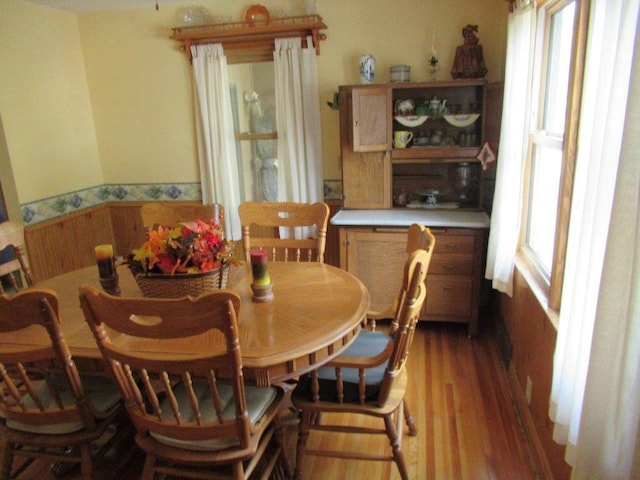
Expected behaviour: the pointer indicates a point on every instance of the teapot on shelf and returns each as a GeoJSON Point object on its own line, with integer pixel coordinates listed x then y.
{"type": "Point", "coordinates": [437, 107]}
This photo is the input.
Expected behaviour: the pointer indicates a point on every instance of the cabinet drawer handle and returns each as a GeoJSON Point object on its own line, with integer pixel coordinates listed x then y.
{"type": "Point", "coordinates": [452, 245]}
{"type": "Point", "coordinates": [447, 288]}
{"type": "Point", "coordinates": [449, 267]}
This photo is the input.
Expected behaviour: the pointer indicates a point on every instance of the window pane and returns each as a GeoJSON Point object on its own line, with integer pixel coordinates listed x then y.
{"type": "Point", "coordinates": [543, 204]}
{"type": "Point", "coordinates": [559, 61]}
{"type": "Point", "coordinates": [253, 103]}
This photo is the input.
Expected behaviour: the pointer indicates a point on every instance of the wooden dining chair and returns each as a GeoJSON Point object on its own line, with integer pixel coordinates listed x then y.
{"type": "Point", "coordinates": [171, 214]}
{"type": "Point", "coordinates": [365, 381]}
{"type": "Point", "coordinates": [47, 411]}
{"type": "Point", "coordinates": [14, 272]}
{"type": "Point", "coordinates": [418, 237]}
{"type": "Point", "coordinates": [193, 414]}
{"type": "Point", "coordinates": [272, 225]}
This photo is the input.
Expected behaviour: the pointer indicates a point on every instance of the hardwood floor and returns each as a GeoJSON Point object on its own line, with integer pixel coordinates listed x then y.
{"type": "Point", "coordinates": [468, 426]}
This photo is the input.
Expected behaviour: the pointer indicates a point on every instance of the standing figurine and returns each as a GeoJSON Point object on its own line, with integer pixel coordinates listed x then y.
{"type": "Point", "coordinates": [469, 61]}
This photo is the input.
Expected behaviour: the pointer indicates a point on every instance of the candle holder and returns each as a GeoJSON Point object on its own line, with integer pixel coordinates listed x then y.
{"type": "Point", "coordinates": [262, 293]}
{"type": "Point", "coordinates": [111, 285]}
{"type": "Point", "coordinates": [107, 269]}
{"type": "Point", "coordinates": [261, 285]}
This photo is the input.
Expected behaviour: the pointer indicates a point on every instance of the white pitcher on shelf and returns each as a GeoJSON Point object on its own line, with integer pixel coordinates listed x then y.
{"type": "Point", "coordinates": [437, 108]}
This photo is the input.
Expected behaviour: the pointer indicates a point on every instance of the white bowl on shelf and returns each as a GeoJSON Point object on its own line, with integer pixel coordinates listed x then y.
{"type": "Point", "coordinates": [462, 120]}
{"type": "Point", "coordinates": [411, 120]}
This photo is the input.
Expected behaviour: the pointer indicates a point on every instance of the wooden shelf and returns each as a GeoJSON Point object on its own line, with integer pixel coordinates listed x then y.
{"type": "Point", "coordinates": [246, 42]}
{"type": "Point", "coordinates": [437, 154]}
{"type": "Point", "coordinates": [256, 136]}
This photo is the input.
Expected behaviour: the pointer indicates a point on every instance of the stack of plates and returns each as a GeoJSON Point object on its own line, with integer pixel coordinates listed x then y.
{"type": "Point", "coordinates": [462, 120]}
{"type": "Point", "coordinates": [411, 120]}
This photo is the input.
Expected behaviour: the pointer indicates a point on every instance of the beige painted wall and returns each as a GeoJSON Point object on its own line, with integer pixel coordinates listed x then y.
{"type": "Point", "coordinates": [44, 102]}
{"type": "Point", "coordinates": [122, 93]}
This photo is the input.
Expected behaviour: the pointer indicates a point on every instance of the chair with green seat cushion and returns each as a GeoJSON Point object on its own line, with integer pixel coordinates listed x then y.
{"type": "Point", "coordinates": [368, 344]}
{"type": "Point", "coordinates": [194, 416]}
{"type": "Point", "coordinates": [373, 385]}
{"type": "Point", "coordinates": [258, 402]}
{"type": "Point", "coordinates": [419, 237]}
{"type": "Point", "coordinates": [47, 410]}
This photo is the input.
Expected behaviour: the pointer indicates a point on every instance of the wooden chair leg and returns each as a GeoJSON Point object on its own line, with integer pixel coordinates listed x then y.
{"type": "Point", "coordinates": [282, 447]}
{"type": "Point", "coordinates": [408, 418]}
{"type": "Point", "coordinates": [238, 471]}
{"type": "Point", "coordinates": [7, 460]}
{"type": "Point", "coordinates": [149, 465]}
{"type": "Point", "coordinates": [86, 464]}
{"type": "Point", "coordinates": [394, 441]}
{"type": "Point", "coordinates": [303, 435]}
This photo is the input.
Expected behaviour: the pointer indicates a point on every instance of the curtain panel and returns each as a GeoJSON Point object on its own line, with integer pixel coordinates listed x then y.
{"type": "Point", "coordinates": [594, 393]}
{"type": "Point", "coordinates": [298, 119]}
{"type": "Point", "coordinates": [216, 139]}
{"type": "Point", "coordinates": [300, 169]}
{"type": "Point", "coordinates": [507, 202]}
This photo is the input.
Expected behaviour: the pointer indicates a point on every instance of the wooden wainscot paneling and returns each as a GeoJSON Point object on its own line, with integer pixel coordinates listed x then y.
{"type": "Point", "coordinates": [66, 243]}
{"type": "Point", "coordinates": [532, 338]}
{"type": "Point", "coordinates": [128, 229]}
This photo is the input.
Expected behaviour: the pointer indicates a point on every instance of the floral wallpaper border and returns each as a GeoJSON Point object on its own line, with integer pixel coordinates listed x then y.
{"type": "Point", "coordinates": [53, 207]}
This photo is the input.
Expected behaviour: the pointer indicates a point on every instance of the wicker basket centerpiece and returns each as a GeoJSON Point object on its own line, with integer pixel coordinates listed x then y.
{"type": "Point", "coordinates": [189, 259]}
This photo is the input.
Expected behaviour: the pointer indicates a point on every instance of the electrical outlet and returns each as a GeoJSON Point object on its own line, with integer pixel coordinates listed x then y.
{"type": "Point", "coordinates": [527, 391]}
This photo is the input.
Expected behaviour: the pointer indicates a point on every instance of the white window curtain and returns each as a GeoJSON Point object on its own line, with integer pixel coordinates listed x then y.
{"type": "Point", "coordinates": [298, 119]}
{"type": "Point", "coordinates": [216, 140]}
{"type": "Point", "coordinates": [611, 411]}
{"type": "Point", "coordinates": [507, 203]}
{"type": "Point", "coordinates": [601, 289]}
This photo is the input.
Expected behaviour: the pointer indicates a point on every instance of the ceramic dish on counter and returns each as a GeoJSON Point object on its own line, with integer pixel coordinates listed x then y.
{"type": "Point", "coordinates": [411, 120]}
{"type": "Point", "coordinates": [462, 120]}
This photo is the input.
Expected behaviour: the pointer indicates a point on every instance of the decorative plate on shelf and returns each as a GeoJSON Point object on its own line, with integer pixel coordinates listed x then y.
{"type": "Point", "coordinates": [411, 120]}
{"type": "Point", "coordinates": [462, 120]}
{"type": "Point", "coordinates": [257, 15]}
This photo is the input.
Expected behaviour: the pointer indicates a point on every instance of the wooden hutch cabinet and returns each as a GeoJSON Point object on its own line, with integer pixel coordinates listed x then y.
{"type": "Point", "coordinates": [437, 180]}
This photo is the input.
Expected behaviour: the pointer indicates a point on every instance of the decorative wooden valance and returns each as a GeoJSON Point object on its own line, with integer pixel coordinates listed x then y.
{"type": "Point", "coordinates": [252, 41]}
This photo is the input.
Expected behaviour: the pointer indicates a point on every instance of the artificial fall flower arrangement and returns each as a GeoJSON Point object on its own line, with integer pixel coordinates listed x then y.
{"type": "Point", "coordinates": [191, 247]}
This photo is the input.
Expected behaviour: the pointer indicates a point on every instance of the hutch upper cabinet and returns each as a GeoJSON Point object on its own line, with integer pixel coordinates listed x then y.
{"type": "Point", "coordinates": [435, 180]}
{"type": "Point", "coordinates": [439, 166]}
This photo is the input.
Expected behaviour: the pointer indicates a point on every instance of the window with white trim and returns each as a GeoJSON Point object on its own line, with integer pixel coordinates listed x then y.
{"type": "Point", "coordinates": [550, 153]}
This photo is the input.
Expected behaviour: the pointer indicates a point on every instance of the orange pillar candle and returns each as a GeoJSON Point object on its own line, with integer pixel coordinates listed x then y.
{"type": "Point", "coordinates": [259, 267]}
{"type": "Point", "coordinates": [104, 257]}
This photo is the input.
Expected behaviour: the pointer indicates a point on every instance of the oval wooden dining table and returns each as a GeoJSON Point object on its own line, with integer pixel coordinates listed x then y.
{"type": "Point", "coordinates": [316, 312]}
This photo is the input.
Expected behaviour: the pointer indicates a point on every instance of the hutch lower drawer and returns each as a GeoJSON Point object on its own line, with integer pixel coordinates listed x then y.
{"type": "Point", "coordinates": [376, 256]}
